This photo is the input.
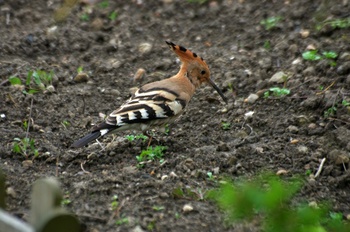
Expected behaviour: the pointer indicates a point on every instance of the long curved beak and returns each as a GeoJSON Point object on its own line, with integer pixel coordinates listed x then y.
{"type": "Point", "coordinates": [217, 90]}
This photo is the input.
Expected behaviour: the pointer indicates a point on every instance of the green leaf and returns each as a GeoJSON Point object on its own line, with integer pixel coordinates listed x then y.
{"type": "Point", "coordinates": [311, 55]}
{"type": "Point", "coordinates": [16, 148]}
{"type": "Point", "coordinates": [15, 80]}
{"type": "Point", "coordinates": [330, 55]}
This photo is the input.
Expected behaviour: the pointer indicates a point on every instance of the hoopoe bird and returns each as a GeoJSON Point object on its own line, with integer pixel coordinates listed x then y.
{"type": "Point", "coordinates": [158, 103]}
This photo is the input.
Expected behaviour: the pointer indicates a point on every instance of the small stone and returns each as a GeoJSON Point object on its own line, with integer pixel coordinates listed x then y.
{"type": "Point", "coordinates": [249, 114]}
{"type": "Point", "coordinates": [281, 172]}
{"type": "Point", "coordinates": [294, 141]}
{"type": "Point", "coordinates": [172, 174]}
{"type": "Point", "coordinates": [310, 47]}
{"type": "Point", "coordinates": [251, 98]}
{"type": "Point", "coordinates": [145, 48]}
{"type": "Point", "coordinates": [279, 77]}
{"type": "Point", "coordinates": [223, 147]}
{"type": "Point", "coordinates": [11, 192]}
{"type": "Point", "coordinates": [137, 229]}
{"type": "Point", "coordinates": [139, 75]}
{"type": "Point", "coordinates": [338, 157]}
{"type": "Point", "coordinates": [27, 163]}
{"type": "Point", "coordinates": [216, 170]}
{"type": "Point", "coordinates": [313, 204]}
{"type": "Point", "coordinates": [303, 149]}
{"type": "Point", "coordinates": [312, 126]}
{"type": "Point", "coordinates": [309, 71]}
{"type": "Point", "coordinates": [304, 33]}
{"type": "Point", "coordinates": [348, 217]}
{"type": "Point", "coordinates": [50, 88]}
{"type": "Point", "coordinates": [293, 129]}
{"type": "Point", "coordinates": [81, 77]}
{"type": "Point", "coordinates": [163, 195]}
{"type": "Point", "coordinates": [344, 68]}
{"type": "Point", "coordinates": [164, 177]}
{"type": "Point", "coordinates": [187, 208]}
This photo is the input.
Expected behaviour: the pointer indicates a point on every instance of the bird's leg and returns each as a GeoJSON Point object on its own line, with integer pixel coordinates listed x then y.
{"type": "Point", "coordinates": [149, 138]}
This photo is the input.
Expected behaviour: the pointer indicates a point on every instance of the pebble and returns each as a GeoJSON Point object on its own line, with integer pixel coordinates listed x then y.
{"type": "Point", "coordinates": [11, 192]}
{"type": "Point", "coordinates": [344, 68]}
{"type": "Point", "coordinates": [281, 172]}
{"type": "Point", "coordinates": [172, 174]}
{"type": "Point", "coordinates": [251, 98]}
{"type": "Point", "coordinates": [216, 170]}
{"type": "Point", "coordinates": [139, 75]}
{"type": "Point", "coordinates": [309, 71]}
{"type": "Point", "coordinates": [187, 208]}
{"type": "Point", "coordinates": [145, 48]}
{"type": "Point", "coordinates": [312, 126]}
{"type": "Point", "coordinates": [293, 129]}
{"type": "Point", "coordinates": [81, 77]}
{"type": "Point", "coordinates": [163, 195]}
{"type": "Point", "coordinates": [27, 163]}
{"type": "Point", "coordinates": [279, 77]}
{"type": "Point", "coordinates": [303, 149]}
{"type": "Point", "coordinates": [339, 157]}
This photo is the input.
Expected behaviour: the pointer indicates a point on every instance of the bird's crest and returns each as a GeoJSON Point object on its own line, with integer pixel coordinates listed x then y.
{"type": "Point", "coordinates": [185, 55]}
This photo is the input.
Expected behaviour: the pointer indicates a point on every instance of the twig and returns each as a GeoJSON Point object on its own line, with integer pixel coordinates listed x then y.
{"type": "Point", "coordinates": [320, 168]}
{"type": "Point", "coordinates": [30, 116]}
{"type": "Point", "coordinates": [319, 93]}
{"type": "Point", "coordinates": [82, 167]}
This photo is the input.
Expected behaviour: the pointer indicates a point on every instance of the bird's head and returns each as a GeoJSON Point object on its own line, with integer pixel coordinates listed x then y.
{"type": "Point", "coordinates": [194, 67]}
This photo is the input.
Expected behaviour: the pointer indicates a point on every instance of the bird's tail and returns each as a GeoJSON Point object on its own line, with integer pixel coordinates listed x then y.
{"type": "Point", "coordinates": [87, 139]}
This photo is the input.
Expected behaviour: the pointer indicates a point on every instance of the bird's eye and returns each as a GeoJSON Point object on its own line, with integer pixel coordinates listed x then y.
{"type": "Point", "coordinates": [203, 72]}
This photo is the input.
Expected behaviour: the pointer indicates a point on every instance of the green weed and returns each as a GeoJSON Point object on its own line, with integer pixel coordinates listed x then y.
{"type": "Point", "coordinates": [225, 125]}
{"type": "Point", "coordinates": [114, 203]}
{"type": "Point", "coordinates": [152, 153]}
{"type": "Point", "coordinates": [270, 22]}
{"type": "Point", "coordinates": [123, 220]}
{"type": "Point", "coordinates": [313, 55]}
{"type": "Point", "coordinates": [134, 137]}
{"type": "Point", "coordinates": [335, 23]}
{"type": "Point", "coordinates": [276, 92]}
{"type": "Point", "coordinates": [345, 103]}
{"type": "Point", "coordinates": [36, 81]}
{"type": "Point", "coordinates": [330, 112]}
{"type": "Point", "coordinates": [268, 199]}
{"type": "Point", "coordinates": [104, 4]}
{"type": "Point", "coordinates": [25, 147]}
{"type": "Point", "coordinates": [113, 16]}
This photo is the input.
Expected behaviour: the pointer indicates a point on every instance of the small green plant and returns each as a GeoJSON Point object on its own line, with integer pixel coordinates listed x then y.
{"type": "Point", "coordinates": [335, 23]}
{"type": "Point", "coordinates": [134, 137]}
{"type": "Point", "coordinates": [113, 16]}
{"type": "Point", "coordinates": [313, 56]}
{"type": "Point", "coordinates": [331, 111]}
{"type": "Point", "coordinates": [114, 203]}
{"type": "Point", "coordinates": [65, 124]}
{"type": "Point", "coordinates": [270, 22]}
{"type": "Point", "coordinates": [121, 221]}
{"type": "Point", "coordinates": [85, 17]}
{"type": "Point", "coordinates": [269, 199]}
{"type": "Point", "coordinates": [345, 103]}
{"type": "Point", "coordinates": [152, 153]}
{"type": "Point", "coordinates": [308, 172]}
{"type": "Point", "coordinates": [225, 125]}
{"type": "Point", "coordinates": [210, 176]}
{"type": "Point", "coordinates": [158, 208]}
{"type": "Point", "coordinates": [80, 69]}
{"type": "Point", "coordinates": [25, 147]}
{"type": "Point", "coordinates": [66, 201]}
{"type": "Point", "coordinates": [267, 44]}
{"type": "Point", "coordinates": [36, 81]}
{"type": "Point", "coordinates": [276, 92]}
{"type": "Point", "coordinates": [104, 4]}
{"type": "Point", "coordinates": [188, 193]}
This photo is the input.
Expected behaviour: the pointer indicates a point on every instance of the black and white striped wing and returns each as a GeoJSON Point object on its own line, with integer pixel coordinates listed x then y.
{"type": "Point", "coordinates": [143, 110]}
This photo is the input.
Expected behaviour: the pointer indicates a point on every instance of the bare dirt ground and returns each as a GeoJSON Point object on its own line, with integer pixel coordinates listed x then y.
{"type": "Point", "coordinates": [291, 133]}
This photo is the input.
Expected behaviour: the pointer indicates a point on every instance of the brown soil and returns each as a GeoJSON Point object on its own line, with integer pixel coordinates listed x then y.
{"type": "Point", "coordinates": [242, 56]}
